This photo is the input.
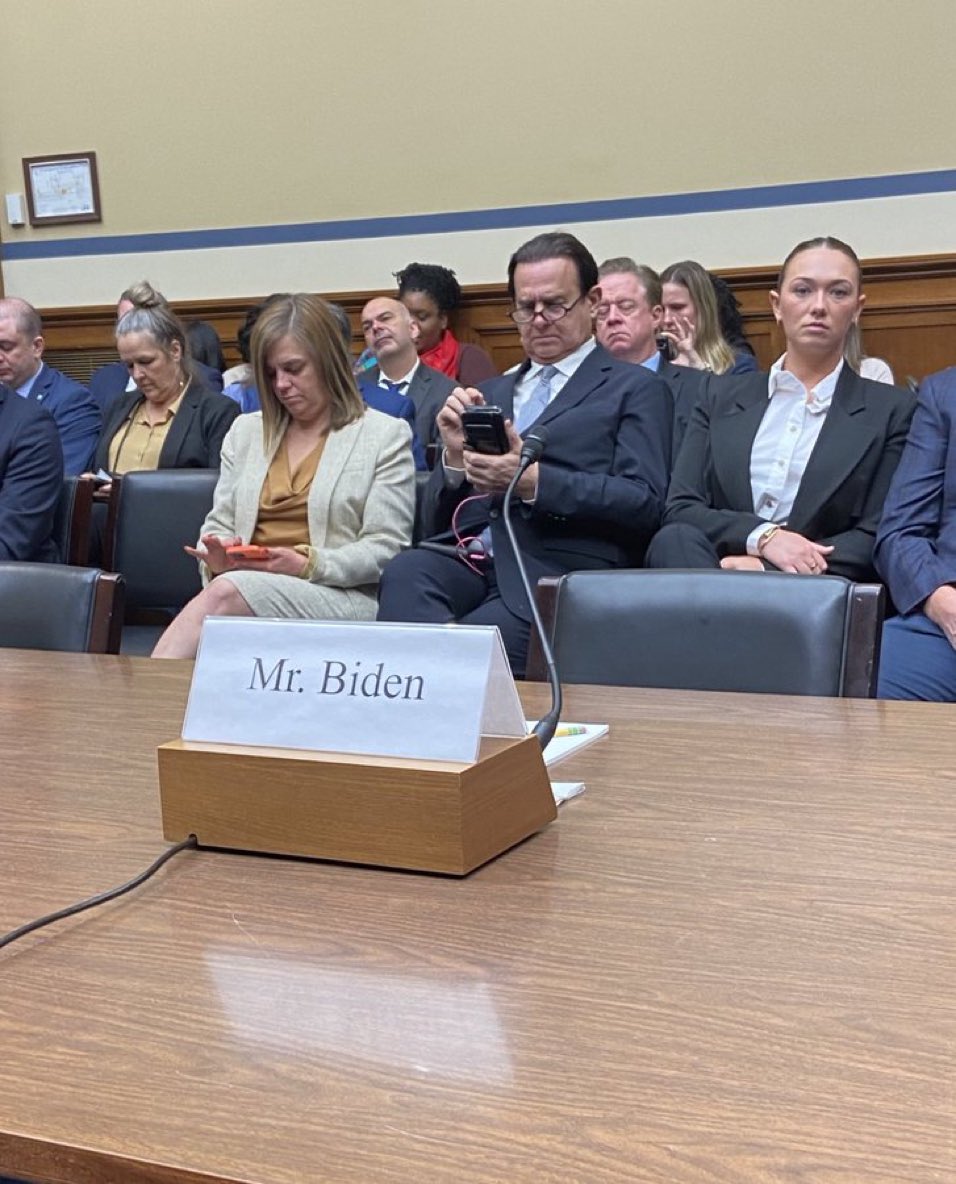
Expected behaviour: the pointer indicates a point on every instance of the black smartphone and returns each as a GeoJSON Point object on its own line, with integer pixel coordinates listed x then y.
{"type": "Point", "coordinates": [484, 429]}
{"type": "Point", "coordinates": [666, 348]}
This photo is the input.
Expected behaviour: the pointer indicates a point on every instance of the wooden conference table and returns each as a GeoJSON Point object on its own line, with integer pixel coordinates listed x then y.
{"type": "Point", "coordinates": [733, 959]}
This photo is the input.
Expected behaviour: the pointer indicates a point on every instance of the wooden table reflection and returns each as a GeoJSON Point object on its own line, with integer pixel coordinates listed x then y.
{"type": "Point", "coordinates": [732, 959]}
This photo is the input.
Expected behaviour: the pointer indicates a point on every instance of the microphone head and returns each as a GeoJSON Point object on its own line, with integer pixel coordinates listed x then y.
{"type": "Point", "coordinates": [534, 444]}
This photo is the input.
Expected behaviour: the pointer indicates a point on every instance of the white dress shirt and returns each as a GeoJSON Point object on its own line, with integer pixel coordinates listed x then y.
{"type": "Point", "coordinates": [402, 384]}
{"type": "Point", "coordinates": [784, 441]}
{"type": "Point", "coordinates": [565, 370]}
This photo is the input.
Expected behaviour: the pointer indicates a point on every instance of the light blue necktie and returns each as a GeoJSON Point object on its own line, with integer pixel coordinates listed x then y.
{"type": "Point", "coordinates": [539, 398]}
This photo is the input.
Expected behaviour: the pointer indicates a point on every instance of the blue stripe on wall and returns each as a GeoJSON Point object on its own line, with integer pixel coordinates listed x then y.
{"type": "Point", "coordinates": [565, 213]}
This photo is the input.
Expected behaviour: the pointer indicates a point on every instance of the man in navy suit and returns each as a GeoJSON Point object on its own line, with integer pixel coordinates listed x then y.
{"type": "Point", "coordinates": [627, 322]}
{"type": "Point", "coordinates": [31, 477]}
{"type": "Point", "coordinates": [76, 416]}
{"type": "Point", "coordinates": [595, 497]}
{"type": "Point", "coordinates": [916, 553]}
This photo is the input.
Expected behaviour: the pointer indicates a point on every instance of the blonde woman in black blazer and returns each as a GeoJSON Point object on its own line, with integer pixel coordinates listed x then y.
{"type": "Point", "coordinates": [726, 465]}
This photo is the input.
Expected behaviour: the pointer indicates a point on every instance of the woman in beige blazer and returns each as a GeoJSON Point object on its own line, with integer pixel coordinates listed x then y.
{"type": "Point", "coordinates": [322, 488]}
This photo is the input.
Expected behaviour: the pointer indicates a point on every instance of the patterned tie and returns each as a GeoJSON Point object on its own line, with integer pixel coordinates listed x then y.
{"type": "Point", "coordinates": [539, 398]}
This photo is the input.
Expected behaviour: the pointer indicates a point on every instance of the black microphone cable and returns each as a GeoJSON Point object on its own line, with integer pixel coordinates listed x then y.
{"type": "Point", "coordinates": [101, 897]}
{"type": "Point", "coordinates": [532, 447]}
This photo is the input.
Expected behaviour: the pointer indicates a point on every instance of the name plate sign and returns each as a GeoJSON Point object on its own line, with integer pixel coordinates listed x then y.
{"type": "Point", "coordinates": [428, 692]}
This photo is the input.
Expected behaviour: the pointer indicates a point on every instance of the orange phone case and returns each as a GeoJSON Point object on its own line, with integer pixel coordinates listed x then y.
{"type": "Point", "coordinates": [248, 551]}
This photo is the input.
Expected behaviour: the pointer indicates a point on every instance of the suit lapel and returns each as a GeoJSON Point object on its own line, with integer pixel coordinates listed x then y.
{"type": "Point", "coordinates": [589, 376]}
{"type": "Point", "coordinates": [843, 440]}
{"type": "Point", "coordinates": [503, 394]}
{"type": "Point", "coordinates": [732, 433]}
{"type": "Point", "coordinates": [253, 465]}
{"type": "Point", "coordinates": [178, 430]}
{"type": "Point", "coordinates": [41, 388]}
{"type": "Point", "coordinates": [338, 449]}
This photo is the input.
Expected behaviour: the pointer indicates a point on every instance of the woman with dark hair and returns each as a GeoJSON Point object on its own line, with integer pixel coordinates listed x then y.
{"type": "Point", "coordinates": [692, 322]}
{"type": "Point", "coordinates": [789, 470]}
{"type": "Point", "coordinates": [239, 382]}
{"type": "Point", "coordinates": [729, 318]}
{"type": "Point", "coordinates": [205, 346]}
{"type": "Point", "coordinates": [431, 294]}
{"type": "Point", "coordinates": [322, 487]}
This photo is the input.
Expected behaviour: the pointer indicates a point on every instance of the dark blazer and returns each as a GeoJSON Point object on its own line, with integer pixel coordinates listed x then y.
{"type": "Point", "coordinates": [844, 485]}
{"type": "Point", "coordinates": [195, 436]}
{"type": "Point", "coordinates": [428, 390]}
{"type": "Point", "coordinates": [76, 416]}
{"type": "Point", "coordinates": [916, 540]}
{"type": "Point", "coordinates": [31, 477]}
{"type": "Point", "coordinates": [398, 406]}
{"type": "Point", "coordinates": [601, 481]}
{"type": "Point", "coordinates": [685, 385]}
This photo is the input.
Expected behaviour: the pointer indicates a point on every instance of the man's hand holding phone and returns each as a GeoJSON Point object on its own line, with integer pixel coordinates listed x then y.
{"type": "Point", "coordinates": [449, 423]}
{"type": "Point", "coordinates": [492, 472]}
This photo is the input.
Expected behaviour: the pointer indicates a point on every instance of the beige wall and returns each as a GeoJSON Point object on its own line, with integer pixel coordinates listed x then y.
{"type": "Point", "coordinates": [220, 113]}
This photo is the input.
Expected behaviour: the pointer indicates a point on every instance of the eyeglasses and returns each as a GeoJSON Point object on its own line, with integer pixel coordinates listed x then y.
{"type": "Point", "coordinates": [549, 311]}
{"type": "Point", "coordinates": [624, 307]}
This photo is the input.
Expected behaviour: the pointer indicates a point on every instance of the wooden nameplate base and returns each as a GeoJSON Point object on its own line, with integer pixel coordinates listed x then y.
{"type": "Point", "coordinates": [434, 816]}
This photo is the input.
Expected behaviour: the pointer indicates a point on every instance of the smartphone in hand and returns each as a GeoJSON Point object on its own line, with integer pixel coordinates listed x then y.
{"type": "Point", "coordinates": [248, 551]}
{"type": "Point", "coordinates": [484, 429]}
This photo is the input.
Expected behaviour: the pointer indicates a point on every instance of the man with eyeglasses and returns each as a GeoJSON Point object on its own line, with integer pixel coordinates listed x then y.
{"type": "Point", "coordinates": [628, 318]}
{"type": "Point", "coordinates": [595, 497]}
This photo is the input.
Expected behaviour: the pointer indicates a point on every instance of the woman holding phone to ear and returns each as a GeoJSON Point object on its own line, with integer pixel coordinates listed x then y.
{"type": "Point", "coordinates": [323, 485]}
{"type": "Point", "coordinates": [691, 322]}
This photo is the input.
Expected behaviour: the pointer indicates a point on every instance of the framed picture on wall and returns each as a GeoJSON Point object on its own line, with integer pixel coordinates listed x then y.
{"type": "Point", "coordinates": [62, 188]}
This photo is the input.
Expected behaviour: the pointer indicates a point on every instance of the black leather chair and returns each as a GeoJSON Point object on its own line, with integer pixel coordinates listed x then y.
{"type": "Point", "coordinates": [152, 516]}
{"type": "Point", "coordinates": [51, 606]}
{"type": "Point", "coordinates": [71, 523]}
{"type": "Point", "coordinates": [713, 631]}
{"type": "Point", "coordinates": [421, 484]}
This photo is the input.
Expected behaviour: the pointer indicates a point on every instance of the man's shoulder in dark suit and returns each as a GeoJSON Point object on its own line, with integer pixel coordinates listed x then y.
{"type": "Point", "coordinates": [77, 416]}
{"type": "Point", "coordinates": [31, 477]}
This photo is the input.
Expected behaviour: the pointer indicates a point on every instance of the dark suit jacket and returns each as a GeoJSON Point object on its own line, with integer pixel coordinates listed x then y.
{"type": "Point", "coordinates": [195, 436]}
{"type": "Point", "coordinates": [916, 540]}
{"type": "Point", "coordinates": [428, 390]}
{"type": "Point", "coordinates": [398, 406]}
{"type": "Point", "coordinates": [844, 485]}
{"type": "Point", "coordinates": [31, 477]}
{"type": "Point", "coordinates": [76, 416]}
{"type": "Point", "coordinates": [601, 481]}
{"type": "Point", "coordinates": [685, 387]}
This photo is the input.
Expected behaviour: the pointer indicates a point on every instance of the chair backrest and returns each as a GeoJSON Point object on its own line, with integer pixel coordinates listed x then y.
{"type": "Point", "coordinates": [71, 522]}
{"type": "Point", "coordinates": [421, 486]}
{"type": "Point", "coordinates": [714, 631]}
{"type": "Point", "coordinates": [51, 606]}
{"type": "Point", "coordinates": [152, 516]}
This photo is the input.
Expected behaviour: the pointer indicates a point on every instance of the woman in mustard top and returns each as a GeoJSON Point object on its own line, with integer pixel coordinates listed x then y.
{"type": "Point", "coordinates": [324, 486]}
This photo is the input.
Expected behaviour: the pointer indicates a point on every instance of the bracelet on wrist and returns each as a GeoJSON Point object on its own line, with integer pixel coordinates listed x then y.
{"type": "Point", "coordinates": [766, 537]}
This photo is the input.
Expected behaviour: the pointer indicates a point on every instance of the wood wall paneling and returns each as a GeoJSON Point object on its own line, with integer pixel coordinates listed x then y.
{"type": "Point", "coordinates": [909, 319]}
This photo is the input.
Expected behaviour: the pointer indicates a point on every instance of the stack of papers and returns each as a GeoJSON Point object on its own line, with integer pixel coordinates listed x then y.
{"type": "Point", "coordinates": [568, 739]}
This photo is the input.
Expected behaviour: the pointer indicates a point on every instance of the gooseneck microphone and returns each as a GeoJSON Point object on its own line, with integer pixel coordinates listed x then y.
{"type": "Point", "coordinates": [532, 447]}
